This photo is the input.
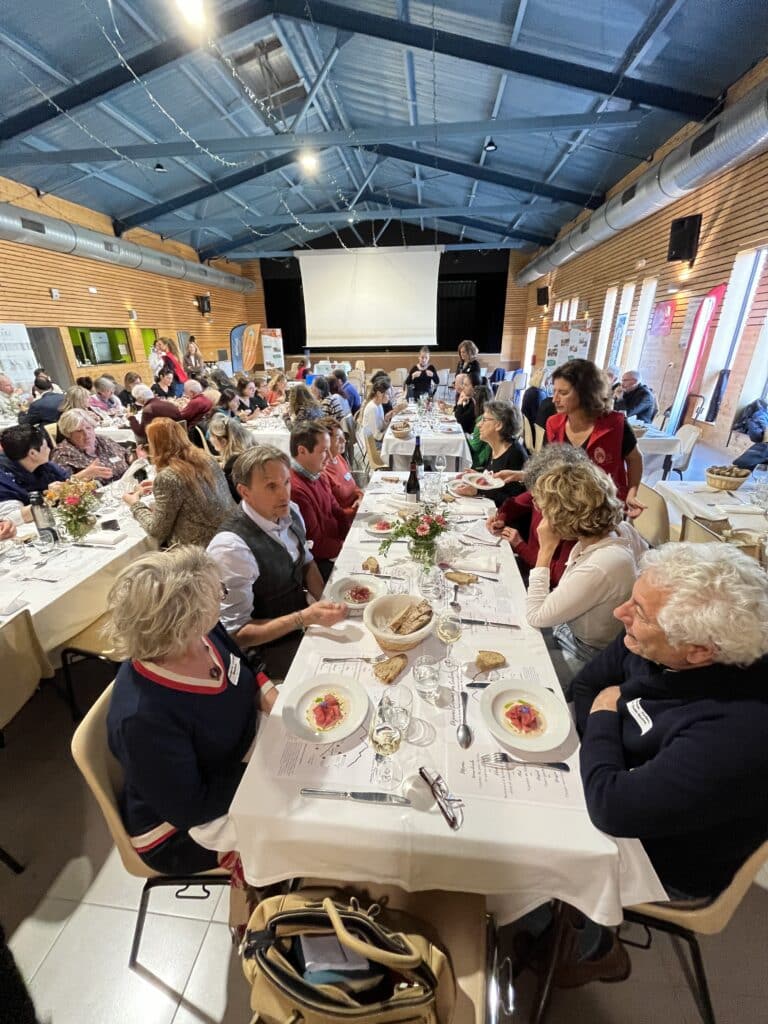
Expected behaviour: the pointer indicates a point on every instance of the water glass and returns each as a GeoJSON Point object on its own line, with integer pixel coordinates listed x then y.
{"type": "Point", "coordinates": [431, 583]}
{"type": "Point", "coordinates": [426, 676]}
{"type": "Point", "coordinates": [398, 584]}
{"type": "Point", "coordinates": [44, 543]}
{"type": "Point", "coordinates": [396, 707]}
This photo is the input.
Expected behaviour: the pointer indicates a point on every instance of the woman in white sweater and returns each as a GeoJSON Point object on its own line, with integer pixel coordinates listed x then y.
{"type": "Point", "coordinates": [374, 420]}
{"type": "Point", "coordinates": [579, 503]}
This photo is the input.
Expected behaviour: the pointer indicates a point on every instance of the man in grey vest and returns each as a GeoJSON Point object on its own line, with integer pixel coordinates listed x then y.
{"type": "Point", "coordinates": [266, 566]}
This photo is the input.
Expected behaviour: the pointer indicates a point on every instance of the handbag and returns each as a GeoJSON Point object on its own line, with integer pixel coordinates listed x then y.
{"type": "Point", "coordinates": [410, 982]}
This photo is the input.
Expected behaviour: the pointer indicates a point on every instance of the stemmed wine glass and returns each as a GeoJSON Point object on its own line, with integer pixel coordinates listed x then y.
{"type": "Point", "coordinates": [441, 464]}
{"type": "Point", "coordinates": [385, 739]}
{"type": "Point", "coordinates": [449, 631]}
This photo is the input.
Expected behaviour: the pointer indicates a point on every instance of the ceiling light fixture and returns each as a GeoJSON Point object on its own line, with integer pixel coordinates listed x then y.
{"type": "Point", "coordinates": [192, 11]}
{"type": "Point", "coordinates": [490, 146]}
{"type": "Point", "coordinates": [309, 161]}
{"type": "Point", "coordinates": [160, 169]}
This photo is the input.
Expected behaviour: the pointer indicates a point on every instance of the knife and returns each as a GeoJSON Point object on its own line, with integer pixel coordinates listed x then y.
{"type": "Point", "coordinates": [482, 622]}
{"type": "Point", "coordinates": [364, 797]}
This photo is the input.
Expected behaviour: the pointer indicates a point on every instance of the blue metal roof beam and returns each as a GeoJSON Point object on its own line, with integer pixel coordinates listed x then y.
{"type": "Point", "coordinates": [691, 105]}
{"type": "Point", "coordinates": [503, 178]}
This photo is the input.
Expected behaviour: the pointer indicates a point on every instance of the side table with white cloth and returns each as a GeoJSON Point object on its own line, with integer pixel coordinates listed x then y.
{"type": "Point", "coordinates": [526, 836]}
{"type": "Point", "coordinates": [47, 599]}
{"type": "Point", "coordinates": [658, 450]}
{"type": "Point", "coordinates": [694, 499]}
{"type": "Point", "coordinates": [447, 438]}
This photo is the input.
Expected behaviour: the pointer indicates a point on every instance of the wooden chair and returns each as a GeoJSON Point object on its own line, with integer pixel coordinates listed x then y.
{"type": "Point", "coordinates": [696, 532]}
{"type": "Point", "coordinates": [653, 523]}
{"type": "Point", "coordinates": [52, 430]}
{"type": "Point", "coordinates": [375, 460]}
{"type": "Point", "coordinates": [527, 435]}
{"type": "Point", "coordinates": [89, 644]}
{"type": "Point", "coordinates": [203, 442]}
{"type": "Point", "coordinates": [539, 437]}
{"type": "Point", "coordinates": [360, 365]}
{"type": "Point", "coordinates": [104, 775]}
{"type": "Point", "coordinates": [709, 920]}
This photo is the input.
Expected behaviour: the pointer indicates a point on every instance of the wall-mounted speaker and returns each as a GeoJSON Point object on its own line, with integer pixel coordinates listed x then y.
{"type": "Point", "coordinates": [542, 296]}
{"type": "Point", "coordinates": [684, 238]}
{"type": "Point", "coordinates": [204, 304]}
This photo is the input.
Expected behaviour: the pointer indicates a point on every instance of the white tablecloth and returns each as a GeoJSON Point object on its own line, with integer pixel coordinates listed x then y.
{"type": "Point", "coordinates": [271, 431]}
{"type": "Point", "coordinates": [119, 434]}
{"type": "Point", "coordinates": [656, 446]}
{"type": "Point", "coordinates": [55, 611]}
{"type": "Point", "coordinates": [693, 498]}
{"type": "Point", "coordinates": [520, 853]}
{"type": "Point", "coordinates": [452, 444]}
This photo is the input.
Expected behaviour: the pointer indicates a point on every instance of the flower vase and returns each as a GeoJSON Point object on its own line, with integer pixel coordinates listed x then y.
{"type": "Point", "coordinates": [422, 551]}
{"type": "Point", "coordinates": [75, 530]}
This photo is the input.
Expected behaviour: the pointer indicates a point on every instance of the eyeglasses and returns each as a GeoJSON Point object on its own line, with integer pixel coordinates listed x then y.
{"type": "Point", "coordinates": [451, 807]}
{"type": "Point", "coordinates": [224, 590]}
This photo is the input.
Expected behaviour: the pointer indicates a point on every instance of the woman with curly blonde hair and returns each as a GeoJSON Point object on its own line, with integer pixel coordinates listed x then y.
{"type": "Point", "coordinates": [579, 503]}
{"type": "Point", "coordinates": [191, 495]}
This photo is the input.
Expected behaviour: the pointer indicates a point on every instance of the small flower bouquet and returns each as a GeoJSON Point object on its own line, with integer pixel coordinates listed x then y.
{"type": "Point", "coordinates": [421, 531]}
{"type": "Point", "coordinates": [74, 503]}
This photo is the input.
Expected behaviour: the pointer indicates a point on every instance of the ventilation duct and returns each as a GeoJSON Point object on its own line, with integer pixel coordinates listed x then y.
{"type": "Point", "coordinates": [738, 134]}
{"type": "Point", "coordinates": [28, 228]}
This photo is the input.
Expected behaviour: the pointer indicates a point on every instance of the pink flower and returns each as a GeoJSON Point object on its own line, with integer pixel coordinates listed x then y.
{"type": "Point", "coordinates": [440, 520]}
{"type": "Point", "coordinates": [73, 499]}
{"type": "Point", "coordinates": [422, 529]}
{"type": "Point", "coordinates": [426, 520]}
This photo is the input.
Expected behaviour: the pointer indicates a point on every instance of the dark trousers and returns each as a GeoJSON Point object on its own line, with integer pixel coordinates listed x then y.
{"type": "Point", "coordinates": [180, 855]}
{"type": "Point", "coordinates": [325, 567]}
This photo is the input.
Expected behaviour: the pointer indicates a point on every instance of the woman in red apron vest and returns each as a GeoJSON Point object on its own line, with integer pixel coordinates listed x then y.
{"type": "Point", "coordinates": [585, 418]}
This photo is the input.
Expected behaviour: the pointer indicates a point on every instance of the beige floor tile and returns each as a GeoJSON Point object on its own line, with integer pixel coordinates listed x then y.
{"type": "Point", "coordinates": [85, 978]}
{"type": "Point", "coordinates": [34, 938]}
{"type": "Point", "coordinates": [217, 990]}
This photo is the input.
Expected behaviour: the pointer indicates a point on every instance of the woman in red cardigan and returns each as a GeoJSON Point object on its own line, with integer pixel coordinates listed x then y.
{"type": "Point", "coordinates": [336, 470]}
{"type": "Point", "coordinates": [517, 520]}
{"type": "Point", "coordinates": [584, 418]}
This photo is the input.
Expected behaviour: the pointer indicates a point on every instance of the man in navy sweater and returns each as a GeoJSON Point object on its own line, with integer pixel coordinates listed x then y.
{"type": "Point", "coordinates": [674, 717]}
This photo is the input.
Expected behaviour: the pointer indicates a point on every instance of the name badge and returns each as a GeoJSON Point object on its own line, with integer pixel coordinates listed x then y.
{"type": "Point", "coordinates": [347, 476]}
{"type": "Point", "coordinates": [234, 669]}
{"type": "Point", "coordinates": [640, 715]}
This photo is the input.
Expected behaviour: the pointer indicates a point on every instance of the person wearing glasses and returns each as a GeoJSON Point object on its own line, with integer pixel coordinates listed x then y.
{"type": "Point", "coordinates": [25, 465]}
{"type": "Point", "coordinates": [500, 427]}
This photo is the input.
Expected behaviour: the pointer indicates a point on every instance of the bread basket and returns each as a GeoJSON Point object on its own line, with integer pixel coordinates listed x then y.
{"type": "Point", "coordinates": [382, 610]}
{"type": "Point", "coordinates": [719, 482]}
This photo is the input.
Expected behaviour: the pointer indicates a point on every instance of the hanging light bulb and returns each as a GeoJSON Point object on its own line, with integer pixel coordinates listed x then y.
{"type": "Point", "coordinates": [309, 161]}
{"type": "Point", "coordinates": [490, 146]}
{"type": "Point", "coordinates": [193, 11]}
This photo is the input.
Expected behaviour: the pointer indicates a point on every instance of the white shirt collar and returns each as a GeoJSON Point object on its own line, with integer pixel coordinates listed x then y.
{"type": "Point", "coordinates": [267, 525]}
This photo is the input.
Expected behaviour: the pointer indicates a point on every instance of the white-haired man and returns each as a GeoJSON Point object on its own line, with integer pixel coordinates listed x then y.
{"type": "Point", "coordinates": [635, 398]}
{"type": "Point", "coordinates": [674, 717]}
{"type": "Point", "coordinates": [197, 407]}
{"type": "Point", "coordinates": [151, 407]}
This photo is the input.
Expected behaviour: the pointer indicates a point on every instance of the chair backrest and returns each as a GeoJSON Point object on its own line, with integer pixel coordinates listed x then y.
{"type": "Point", "coordinates": [653, 523]}
{"type": "Point", "coordinates": [375, 460]}
{"type": "Point", "coordinates": [505, 391]}
{"type": "Point", "coordinates": [204, 441]}
{"type": "Point", "coordinates": [51, 430]}
{"type": "Point", "coordinates": [712, 919]}
{"type": "Point", "coordinates": [443, 375]}
{"type": "Point", "coordinates": [697, 533]}
{"type": "Point", "coordinates": [360, 365]}
{"type": "Point", "coordinates": [688, 435]}
{"type": "Point", "coordinates": [104, 775]}
{"type": "Point", "coordinates": [294, 369]}
{"type": "Point", "coordinates": [660, 419]}
{"type": "Point", "coordinates": [527, 434]}
{"type": "Point", "coordinates": [398, 376]}
{"type": "Point", "coordinates": [539, 436]}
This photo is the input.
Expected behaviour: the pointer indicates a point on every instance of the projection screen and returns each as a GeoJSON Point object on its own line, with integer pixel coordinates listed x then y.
{"type": "Point", "coordinates": [370, 298]}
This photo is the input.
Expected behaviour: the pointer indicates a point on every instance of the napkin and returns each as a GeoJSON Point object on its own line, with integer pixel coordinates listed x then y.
{"type": "Point", "coordinates": [103, 539]}
{"type": "Point", "coordinates": [478, 532]}
{"type": "Point", "coordinates": [738, 510]}
{"type": "Point", "coordinates": [470, 507]}
{"type": "Point", "coordinates": [475, 561]}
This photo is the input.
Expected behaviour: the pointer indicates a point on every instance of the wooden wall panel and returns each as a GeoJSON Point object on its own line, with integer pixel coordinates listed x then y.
{"type": "Point", "coordinates": [164, 304]}
{"type": "Point", "coordinates": [735, 220]}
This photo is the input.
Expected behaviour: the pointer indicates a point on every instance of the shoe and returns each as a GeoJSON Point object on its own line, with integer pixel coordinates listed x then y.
{"type": "Point", "coordinates": [615, 965]}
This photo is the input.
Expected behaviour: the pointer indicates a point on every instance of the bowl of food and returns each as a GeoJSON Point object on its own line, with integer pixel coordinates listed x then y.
{"type": "Point", "coordinates": [356, 591]}
{"type": "Point", "coordinates": [325, 709]}
{"type": "Point", "coordinates": [726, 478]}
{"type": "Point", "coordinates": [399, 622]}
{"type": "Point", "coordinates": [524, 717]}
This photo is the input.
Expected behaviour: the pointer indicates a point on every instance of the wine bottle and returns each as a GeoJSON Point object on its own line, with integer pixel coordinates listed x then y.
{"type": "Point", "coordinates": [42, 516]}
{"type": "Point", "coordinates": [412, 485]}
{"type": "Point", "coordinates": [418, 458]}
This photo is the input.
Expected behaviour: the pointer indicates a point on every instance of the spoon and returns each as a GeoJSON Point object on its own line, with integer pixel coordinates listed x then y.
{"type": "Point", "coordinates": [464, 733]}
{"type": "Point", "coordinates": [454, 604]}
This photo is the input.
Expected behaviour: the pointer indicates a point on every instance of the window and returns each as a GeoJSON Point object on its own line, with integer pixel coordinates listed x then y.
{"type": "Point", "coordinates": [530, 346]}
{"type": "Point", "coordinates": [634, 351]}
{"type": "Point", "coordinates": [573, 313]}
{"type": "Point", "coordinates": [622, 320]}
{"type": "Point", "coordinates": [100, 345]}
{"type": "Point", "coordinates": [745, 277]}
{"type": "Point", "coordinates": [556, 313]}
{"type": "Point", "coordinates": [606, 323]}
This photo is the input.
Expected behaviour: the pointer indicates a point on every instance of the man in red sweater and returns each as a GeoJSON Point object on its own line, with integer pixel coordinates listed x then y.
{"type": "Point", "coordinates": [324, 518]}
{"type": "Point", "coordinates": [197, 405]}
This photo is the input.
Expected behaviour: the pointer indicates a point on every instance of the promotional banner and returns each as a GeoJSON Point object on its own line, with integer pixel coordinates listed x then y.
{"type": "Point", "coordinates": [16, 356]}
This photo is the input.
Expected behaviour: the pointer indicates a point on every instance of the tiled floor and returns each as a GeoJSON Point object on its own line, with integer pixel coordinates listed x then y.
{"type": "Point", "coordinates": [71, 917]}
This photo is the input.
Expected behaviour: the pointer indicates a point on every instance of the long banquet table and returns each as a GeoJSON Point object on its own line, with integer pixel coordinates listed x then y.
{"type": "Point", "coordinates": [271, 430]}
{"type": "Point", "coordinates": [58, 599]}
{"type": "Point", "coordinates": [447, 439]}
{"type": "Point", "coordinates": [526, 838]}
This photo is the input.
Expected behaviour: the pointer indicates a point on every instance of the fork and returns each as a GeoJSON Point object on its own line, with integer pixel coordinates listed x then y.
{"type": "Point", "coordinates": [502, 760]}
{"type": "Point", "coordinates": [372, 660]}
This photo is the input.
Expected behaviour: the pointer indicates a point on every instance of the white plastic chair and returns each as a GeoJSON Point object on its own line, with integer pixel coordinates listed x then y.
{"type": "Point", "coordinates": [505, 391]}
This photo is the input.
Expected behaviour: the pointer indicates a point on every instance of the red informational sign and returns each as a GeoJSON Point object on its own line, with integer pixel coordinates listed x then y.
{"type": "Point", "coordinates": [663, 315]}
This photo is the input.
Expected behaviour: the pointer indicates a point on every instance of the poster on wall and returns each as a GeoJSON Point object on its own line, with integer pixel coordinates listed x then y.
{"type": "Point", "coordinates": [272, 348]}
{"type": "Point", "coordinates": [16, 356]}
{"type": "Point", "coordinates": [567, 341]}
{"type": "Point", "coordinates": [663, 316]}
{"type": "Point", "coordinates": [557, 348]}
{"type": "Point", "coordinates": [579, 339]}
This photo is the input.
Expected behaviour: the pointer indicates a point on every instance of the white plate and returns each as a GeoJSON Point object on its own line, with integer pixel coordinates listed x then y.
{"type": "Point", "coordinates": [453, 484]}
{"type": "Point", "coordinates": [337, 589]}
{"type": "Point", "coordinates": [371, 528]}
{"type": "Point", "coordinates": [298, 701]}
{"type": "Point", "coordinates": [492, 483]}
{"type": "Point", "coordinates": [557, 721]}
